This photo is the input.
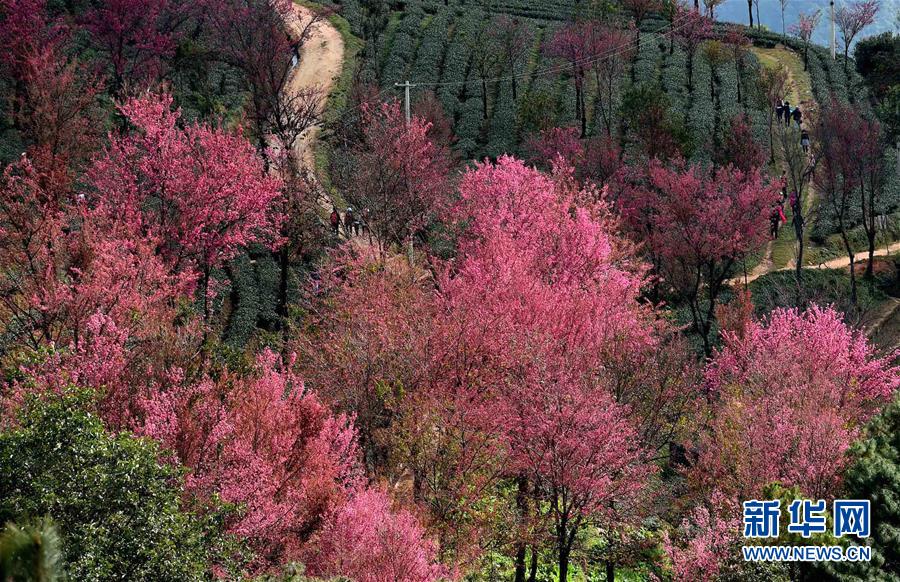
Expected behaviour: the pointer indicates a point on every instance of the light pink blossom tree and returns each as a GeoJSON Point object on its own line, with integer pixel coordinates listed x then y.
{"type": "Point", "coordinates": [790, 396]}
{"type": "Point", "coordinates": [803, 29]}
{"type": "Point", "coordinates": [851, 18]}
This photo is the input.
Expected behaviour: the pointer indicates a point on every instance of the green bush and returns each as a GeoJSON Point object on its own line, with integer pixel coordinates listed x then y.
{"type": "Point", "coordinates": [118, 509]}
{"type": "Point", "coordinates": [819, 286]}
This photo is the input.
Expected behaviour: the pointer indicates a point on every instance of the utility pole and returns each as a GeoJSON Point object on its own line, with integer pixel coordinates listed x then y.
{"type": "Point", "coordinates": [406, 86]}
{"type": "Point", "coordinates": [832, 31]}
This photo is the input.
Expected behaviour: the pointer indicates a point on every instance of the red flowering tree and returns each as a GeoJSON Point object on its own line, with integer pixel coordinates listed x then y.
{"type": "Point", "coordinates": [53, 97]}
{"type": "Point", "coordinates": [262, 441]}
{"type": "Point", "coordinates": [699, 224]}
{"type": "Point", "coordinates": [595, 159]}
{"type": "Point", "coordinates": [789, 398]}
{"type": "Point", "coordinates": [741, 149]}
{"type": "Point", "coordinates": [200, 193]}
{"type": "Point", "coordinates": [137, 37]}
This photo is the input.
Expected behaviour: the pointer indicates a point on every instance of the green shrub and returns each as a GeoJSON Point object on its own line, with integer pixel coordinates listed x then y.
{"type": "Point", "coordinates": [118, 509]}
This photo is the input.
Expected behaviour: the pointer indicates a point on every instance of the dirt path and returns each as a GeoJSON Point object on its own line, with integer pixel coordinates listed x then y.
{"type": "Point", "coordinates": [780, 254]}
{"type": "Point", "coordinates": [839, 263]}
{"type": "Point", "coordinates": [321, 60]}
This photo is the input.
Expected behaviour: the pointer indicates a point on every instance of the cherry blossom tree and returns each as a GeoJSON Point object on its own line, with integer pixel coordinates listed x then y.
{"type": "Point", "coordinates": [90, 305]}
{"type": "Point", "coordinates": [430, 109]}
{"type": "Point", "coordinates": [533, 280]}
{"type": "Point", "coordinates": [699, 224]}
{"type": "Point", "coordinates": [54, 97]}
{"type": "Point", "coordinates": [616, 47]}
{"type": "Point", "coordinates": [368, 542]}
{"type": "Point", "coordinates": [201, 193]}
{"type": "Point", "coordinates": [851, 18]}
{"type": "Point", "coordinates": [483, 45]}
{"type": "Point", "coordinates": [257, 37]}
{"type": "Point", "coordinates": [772, 87]}
{"type": "Point", "coordinates": [838, 134]}
{"type": "Point", "coordinates": [737, 45]}
{"type": "Point", "coordinates": [803, 29]}
{"type": "Point", "coordinates": [398, 174]}
{"type": "Point", "coordinates": [706, 541]}
{"type": "Point", "coordinates": [137, 37]}
{"type": "Point", "coordinates": [740, 148]}
{"type": "Point", "coordinates": [263, 441]}
{"type": "Point", "coordinates": [596, 159]}
{"type": "Point", "coordinates": [640, 9]}
{"type": "Point", "coordinates": [692, 30]}
{"type": "Point", "coordinates": [514, 37]}
{"type": "Point", "coordinates": [573, 44]}
{"type": "Point", "coordinates": [372, 329]}
{"type": "Point", "coordinates": [789, 398]}
{"type": "Point", "coordinates": [851, 173]}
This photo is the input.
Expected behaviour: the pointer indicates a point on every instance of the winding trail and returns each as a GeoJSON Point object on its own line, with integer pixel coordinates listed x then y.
{"type": "Point", "coordinates": [838, 263]}
{"type": "Point", "coordinates": [321, 61]}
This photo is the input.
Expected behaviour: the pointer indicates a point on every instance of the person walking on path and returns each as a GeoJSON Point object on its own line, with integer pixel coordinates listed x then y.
{"type": "Point", "coordinates": [335, 220]}
{"type": "Point", "coordinates": [804, 140]}
{"type": "Point", "coordinates": [798, 116]}
{"type": "Point", "coordinates": [786, 112]}
{"type": "Point", "coordinates": [349, 221]}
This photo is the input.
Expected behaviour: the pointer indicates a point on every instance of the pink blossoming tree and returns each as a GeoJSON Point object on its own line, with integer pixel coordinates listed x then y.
{"type": "Point", "coordinates": [789, 398]}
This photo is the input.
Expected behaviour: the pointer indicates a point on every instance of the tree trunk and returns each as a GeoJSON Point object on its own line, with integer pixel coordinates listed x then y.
{"type": "Point", "coordinates": [520, 563]}
{"type": "Point", "coordinates": [750, 10]}
{"type": "Point", "coordinates": [771, 139]}
{"type": "Point", "coordinates": [852, 256]}
{"type": "Point", "coordinates": [637, 49]}
{"type": "Point", "coordinates": [532, 568]}
{"type": "Point", "coordinates": [798, 230]}
{"type": "Point", "coordinates": [870, 267]}
{"type": "Point", "coordinates": [563, 564]}
{"type": "Point", "coordinates": [690, 64]}
{"type": "Point", "coordinates": [484, 112]}
{"type": "Point", "coordinates": [284, 272]}
{"type": "Point", "coordinates": [583, 115]}
{"type": "Point", "coordinates": [515, 86]}
{"type": "Point", "coordinates": [610, 571]}
{"type": "Point", "coordinates": [522, 507]}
